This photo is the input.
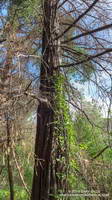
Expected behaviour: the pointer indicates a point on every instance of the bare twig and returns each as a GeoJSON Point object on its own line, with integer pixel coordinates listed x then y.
{"type": "Point", "coordinates": [19, 171]}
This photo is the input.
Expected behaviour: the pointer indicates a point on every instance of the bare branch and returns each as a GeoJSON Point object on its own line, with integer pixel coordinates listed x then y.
{"type": "Point", "coordinates": [62, 4]}
{"type": "Point", "coordinates": [88, 58]}
{"type": "Point", "coordinates": [19, 171]}
{"type": "Point", "coordinates": [98, 154]}
{"type": "Point", "coordinates": [89, 32]}
{"type": "Point", "coordinates": [81, 16]}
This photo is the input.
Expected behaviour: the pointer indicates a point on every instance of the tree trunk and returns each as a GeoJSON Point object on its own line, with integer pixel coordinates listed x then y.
{"type": "Point", "coordinates": [9, 167]}
{"type": "Point", "coordinates": [45, 113]}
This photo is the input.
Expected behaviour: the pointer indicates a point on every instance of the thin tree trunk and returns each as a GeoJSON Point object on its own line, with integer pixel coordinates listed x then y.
{"type": "Point", "coordinates": [45, 113]}
{"type": "Point", "coordinates": [9, 167]}
{"type": "Point", "coordinates": [10, 177]}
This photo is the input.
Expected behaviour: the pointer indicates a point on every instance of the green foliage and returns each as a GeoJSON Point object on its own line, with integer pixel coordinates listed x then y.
{"type": "Point", "coordinates": [88, 136]}
{"type": "Point", "coordinates": [65, 132]}
{"type": "Point", "coordinates": [20, 194]}
{"type": "Point", "coordinates": [26, 163]}
{"type": "Point", "coordinates": [4, 194]}
{"type": "Point", "coordinates": [108, 155]}
{"type": "Point", "coordinates": [28, 173]}
{"type": "Point", "coordinates": [24, 13]}
{"type": "Point", "coordinates": [64, 124]}
{"type": "Point", "coordinates": [27, 9]}
{"type": "Point", "coordinates": [63, 118]}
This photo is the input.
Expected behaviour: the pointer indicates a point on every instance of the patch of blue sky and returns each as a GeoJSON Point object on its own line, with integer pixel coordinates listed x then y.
{"type": "Point", "coordinates": [92, 91]}
{"type": "Point", "coordinates": [4, 12]}
{"type": "Point", "coordinates": [2, 53]}
{"type": "Point", "coordinates": [25, 26]}
{"type": "Point", "coordinates": [4, 9]}
{"type": "Point", "coordinates": [37, 45]}
{"type": "Point", "coordinates": [30, 65]}
{"type": "Point", "coordinates": [1, 24]}
{"type": "Point", "coordinates": [33, 68]}
{"type": "Point", "coordinates": [92, 21]}
{"type": "Point", "coordinates": [21, 34]}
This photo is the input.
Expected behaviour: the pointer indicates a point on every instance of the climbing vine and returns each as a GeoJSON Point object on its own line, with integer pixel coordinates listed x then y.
{"type": "Point", "coordinates": [64, 136]}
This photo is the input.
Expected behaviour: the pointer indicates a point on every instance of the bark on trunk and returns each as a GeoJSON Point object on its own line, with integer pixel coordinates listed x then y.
{"type": "Point", "coordinates": [45, 114]}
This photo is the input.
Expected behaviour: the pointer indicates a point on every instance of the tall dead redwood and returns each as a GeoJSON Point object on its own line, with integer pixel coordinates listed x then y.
{"type": "Point", "coordinates": [45, 113]}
